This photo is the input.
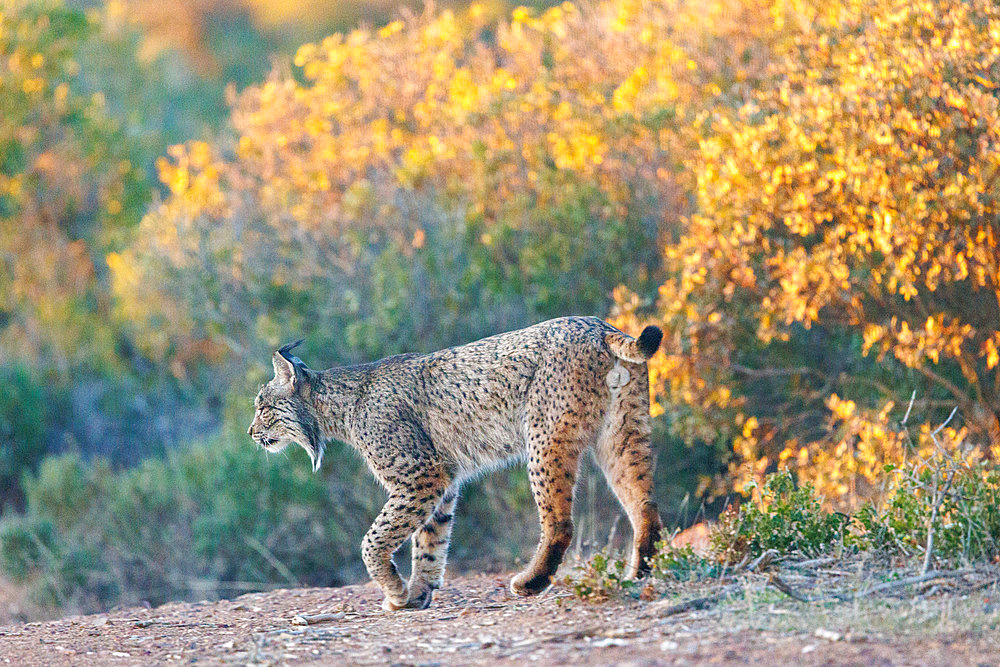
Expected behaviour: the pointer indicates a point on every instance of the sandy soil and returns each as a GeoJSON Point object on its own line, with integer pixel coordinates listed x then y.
{"type": "Point", "coordinates": [474, 620]}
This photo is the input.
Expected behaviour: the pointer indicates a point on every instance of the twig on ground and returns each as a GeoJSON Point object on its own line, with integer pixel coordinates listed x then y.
{"type": "Point", "coordinates": [582, 633]}
{"type": "Point", "coordinates": [916, 579]}
{"type": "Point", "coordinates": [762, 560]}
{"type": "Point", "coordinates": [660, 610]}
{"type": "Point", "coordinates": [812, 562]}
{"type": "Point", "coordinates": [926, 578]}
{"type": "Point", "coordinates": [782, 585]}
{"type": "Point", "coordinates": [984, 584]}
{"type": "Point", "coordinates": [313, 619]}
{"type": "Point", "coordinates": [743, 562]}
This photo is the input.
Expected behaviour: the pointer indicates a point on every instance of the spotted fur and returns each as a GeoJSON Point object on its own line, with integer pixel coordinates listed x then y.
{"type": "Point", "coordinates": [427, 423]}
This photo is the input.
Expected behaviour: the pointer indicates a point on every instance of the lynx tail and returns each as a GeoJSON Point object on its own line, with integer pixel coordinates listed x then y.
{"type": "Point", "coordinates": [635, 350]}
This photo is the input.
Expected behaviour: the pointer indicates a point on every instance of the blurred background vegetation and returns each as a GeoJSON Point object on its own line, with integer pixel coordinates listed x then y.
{"type": "Point", "coordinates": [803, 194]}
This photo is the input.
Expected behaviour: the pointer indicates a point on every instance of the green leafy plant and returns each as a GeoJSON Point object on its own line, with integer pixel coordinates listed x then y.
{"type": "Point", "coordinates": [787, 518]}
{"type": "Point", "coordinates": [942, 509]}
{"type": "Point", "coordinates": [682, 564]}
{"type": "Point", "coordinates": [601, 577]}
{"type": "Point", "coordinates": [208, 520]}
{"type": "Point", "coordinates": [25, 545]}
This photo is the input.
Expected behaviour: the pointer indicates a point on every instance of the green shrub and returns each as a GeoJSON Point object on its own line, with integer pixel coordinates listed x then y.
{"type": "Point", "coordinates": [945, 505]}
{"type": "Point", "coordinates": [209, 520]}
{"type": "Point", "coordinates": [603, 576]}
{"type": "Point", "coordinates": [787, 518]}
{"type": "Point", "coordinates": [25, 546]}
{"type": "Point", "coordinates": [682, 564]}
{"type": "Point", "coordinates": [966, 525]}
{"type": "Point", "coordinates": [23, 416]}
{"type": "Point", "coordinates": [599, 578]}
{"type": "Point", "coordinates": [65, 489]}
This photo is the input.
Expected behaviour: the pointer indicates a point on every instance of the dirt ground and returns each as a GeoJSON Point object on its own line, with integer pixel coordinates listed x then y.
{"type": "Point", "coordinates": [474, 620]}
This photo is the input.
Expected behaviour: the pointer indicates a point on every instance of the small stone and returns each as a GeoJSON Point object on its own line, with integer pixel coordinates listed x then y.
{"type": "Point", "coordinates": [669, 645]}
{"type": "Point", "coordinates": [610, 641]}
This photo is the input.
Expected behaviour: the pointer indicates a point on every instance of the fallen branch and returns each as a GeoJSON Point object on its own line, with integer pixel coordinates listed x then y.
{"type": "Point", "coordinates": [984, 584]}
{"type": "Point", "coordinates": [811, 563]}
{"type": "Point", "coordinates": [695, 604]}
{"type": "Point", "coordinates": [583, 633]}
{"type": "Point", "coordinates": [782, 585]}
{"type": "Point", "coordinates": [763, 560]}
{"type": "Point", "coordinates": [916, 579]}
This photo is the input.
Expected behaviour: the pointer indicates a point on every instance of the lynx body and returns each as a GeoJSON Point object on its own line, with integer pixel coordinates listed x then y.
{"type": "Point", "coordinates": [427, 422]}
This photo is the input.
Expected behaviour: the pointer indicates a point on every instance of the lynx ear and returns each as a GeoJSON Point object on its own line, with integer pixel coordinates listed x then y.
{"type": "Point", "coordinates": [288, 369]}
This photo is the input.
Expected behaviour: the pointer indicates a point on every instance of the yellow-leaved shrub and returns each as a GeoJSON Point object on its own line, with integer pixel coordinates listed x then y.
{"type": "Point", "coordinates": [844, 246]}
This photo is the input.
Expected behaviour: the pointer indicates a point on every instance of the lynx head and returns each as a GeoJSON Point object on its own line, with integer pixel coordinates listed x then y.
{"type": "Point", "coordinates": [283, 408]}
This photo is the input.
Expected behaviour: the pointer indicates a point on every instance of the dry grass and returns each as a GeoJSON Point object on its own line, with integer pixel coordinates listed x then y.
{"type": "Point", "coordinates": [842, 599]}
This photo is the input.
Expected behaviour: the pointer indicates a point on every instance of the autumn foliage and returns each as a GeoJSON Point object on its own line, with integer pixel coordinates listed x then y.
{"type": "Point", "coordinates": [526, 164]}
{"type": "Point", "coordinates": [68, 185]}
{"type": "Point", "coordinates": [843, 252]}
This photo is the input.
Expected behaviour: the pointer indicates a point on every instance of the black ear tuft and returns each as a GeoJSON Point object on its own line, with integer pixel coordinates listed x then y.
{"type": "Point", "coordinates": [285, 350]}
{"type": "Point", "coordinates": [649, 341]}
{"type": "Point", "coordinates": [289, 369]}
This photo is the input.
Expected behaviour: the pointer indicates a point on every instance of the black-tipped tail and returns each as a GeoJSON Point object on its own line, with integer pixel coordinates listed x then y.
{"type": "Point", "coordinates": [649, 341]}
{"type": "Point", "coordinates": [635, 350]}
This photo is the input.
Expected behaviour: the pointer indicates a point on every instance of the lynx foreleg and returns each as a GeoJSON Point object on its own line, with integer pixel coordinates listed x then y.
{"type": "Point", "coordinates": [401, 515]}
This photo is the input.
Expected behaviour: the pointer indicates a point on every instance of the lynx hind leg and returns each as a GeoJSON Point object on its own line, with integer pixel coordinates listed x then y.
{"type": "Point", "coordinates": [625, 455]}
{"type": "Point", "coordinates": [553, 458]}
{"type": "Point", "coordinates": [430, 552]}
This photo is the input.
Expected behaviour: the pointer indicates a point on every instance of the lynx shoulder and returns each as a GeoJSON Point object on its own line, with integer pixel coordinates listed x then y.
{"type": "Point", "coordinates": [425, 423]}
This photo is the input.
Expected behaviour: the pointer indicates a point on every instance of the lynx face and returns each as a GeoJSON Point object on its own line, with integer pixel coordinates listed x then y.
{"type": "Point", "coordinates": [282, 413]}
{"type": "Point", "coordinates": [274, 425]}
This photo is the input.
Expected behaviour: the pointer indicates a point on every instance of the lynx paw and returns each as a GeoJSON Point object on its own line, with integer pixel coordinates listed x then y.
{"type": "Point", "coordinates": [395, 602]}
{"type": "Point", "coordinates": [389, 605]}
{"type": "Point", "coordinates": [417, 597]}
{"type": "Point", "coordinates": [530, 583]}
{"type": "Point", "coordinates": [420, 599]}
